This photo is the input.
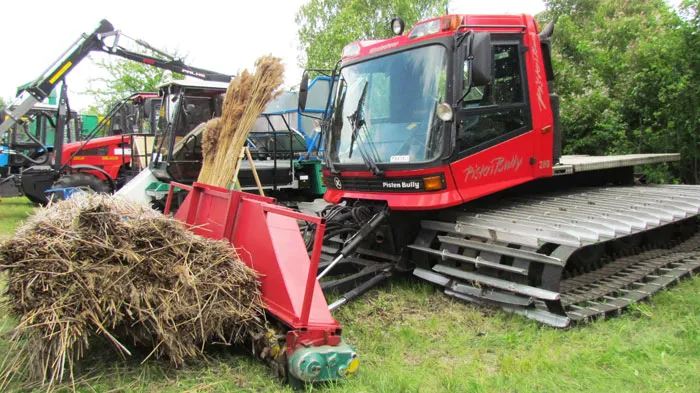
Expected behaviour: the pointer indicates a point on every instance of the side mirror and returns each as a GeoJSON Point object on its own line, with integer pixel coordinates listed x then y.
{"type": "Point", "coordinates": [480, 50]}
{"type": "Point", "coordinates": [546, 33]}
{"type": "Point", "coordinates": [303, 90]}
{"type": "Point", "coordinates": [147, 107]}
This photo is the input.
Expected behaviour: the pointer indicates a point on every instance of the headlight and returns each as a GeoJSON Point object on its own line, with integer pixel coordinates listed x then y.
{"type": "Point", "coordinates": [444, 112]}
{"type": "Point", "coordinates": [426, 28]}
{"type": "Point", "coordinates": [397, 26]}
{"type": "Point", "coordinates": [351, 50]}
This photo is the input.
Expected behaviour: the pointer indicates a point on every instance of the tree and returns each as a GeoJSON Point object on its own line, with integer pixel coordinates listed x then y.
{"type": "Point", "coordinates": [125, 78]}
{"type": "Point", "coordinates": [326, 26]}
{"type": "Point", "coordinates": [625, 72]}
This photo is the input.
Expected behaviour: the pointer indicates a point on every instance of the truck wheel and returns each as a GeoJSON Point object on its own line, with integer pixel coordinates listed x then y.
{"type": "Point", "coordinates": [83, 181]}
{"type": "Point", "coordinates": [35, 200]}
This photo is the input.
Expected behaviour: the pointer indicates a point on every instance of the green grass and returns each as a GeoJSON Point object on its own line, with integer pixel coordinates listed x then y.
{"type": "Point", "coordinates": [12, 212]}
{"type": "Point", "coordinates": [412, 338]}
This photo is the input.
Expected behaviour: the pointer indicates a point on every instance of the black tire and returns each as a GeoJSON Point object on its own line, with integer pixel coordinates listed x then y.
{"type": "Point", "coordinates": [84, 181]}
{"type": "Point", "coordinates": [35, 200]}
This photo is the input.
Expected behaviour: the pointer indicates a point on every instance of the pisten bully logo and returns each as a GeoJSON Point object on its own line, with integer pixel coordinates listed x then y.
{"type": "Point", "coordinates": [338, 184]}
{"type": "Point", "coordinates": [494, 167]}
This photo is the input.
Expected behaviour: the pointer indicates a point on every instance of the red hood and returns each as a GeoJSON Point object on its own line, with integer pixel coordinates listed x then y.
{"type": "Point", "coordinates": [96, 142]}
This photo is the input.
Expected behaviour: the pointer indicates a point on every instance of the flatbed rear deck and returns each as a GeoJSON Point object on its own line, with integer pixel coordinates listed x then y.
{"type": "Point", "coordinates": [581, 163]}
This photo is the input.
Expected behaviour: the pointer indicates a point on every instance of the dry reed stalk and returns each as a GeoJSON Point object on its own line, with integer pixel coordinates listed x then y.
{"type": "Point", "coordinates": [245, 100]}
{"type": "Point", "coordinates": [210, 138]}
{"type": "Point", "coordinates": [97, 266]}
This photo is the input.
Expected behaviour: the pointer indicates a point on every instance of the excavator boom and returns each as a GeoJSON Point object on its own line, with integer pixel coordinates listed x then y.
{"type": "Point", "coordinates": [38, 90]}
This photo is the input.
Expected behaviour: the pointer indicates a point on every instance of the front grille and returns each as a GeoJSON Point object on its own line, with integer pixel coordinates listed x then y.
{"type": "Point", "coordinates": [374, 184]}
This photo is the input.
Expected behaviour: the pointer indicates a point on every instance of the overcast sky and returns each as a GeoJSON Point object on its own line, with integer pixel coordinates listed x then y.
{"type": "Point", "coordinates": [223, 36]}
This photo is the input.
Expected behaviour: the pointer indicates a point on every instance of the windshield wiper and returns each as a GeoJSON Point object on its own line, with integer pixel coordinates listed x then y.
{"type": "Point", "coordinates": [366, 157]}
{"type": "Point", "coordinates": [356, 119]}
{"type": "Point", "coordinates": [358, 123]}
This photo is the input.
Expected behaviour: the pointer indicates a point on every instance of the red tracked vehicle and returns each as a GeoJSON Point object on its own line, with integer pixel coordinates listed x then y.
{"type": "Point", "coordinates": [443, 158]}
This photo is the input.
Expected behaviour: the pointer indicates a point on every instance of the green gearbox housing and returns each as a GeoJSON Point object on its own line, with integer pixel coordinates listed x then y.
{"type": "Point", "coordinates": [323, 363]}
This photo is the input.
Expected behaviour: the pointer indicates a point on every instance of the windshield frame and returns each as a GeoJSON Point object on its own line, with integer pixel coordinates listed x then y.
{"type": "Point", "coordinates": [447, 42]}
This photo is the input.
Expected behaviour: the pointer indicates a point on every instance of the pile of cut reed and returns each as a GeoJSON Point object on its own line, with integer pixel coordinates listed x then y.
{"type": "Point", "coordinates": [245, 100]}
{"type": "Point", "coordinates": [96, 266]}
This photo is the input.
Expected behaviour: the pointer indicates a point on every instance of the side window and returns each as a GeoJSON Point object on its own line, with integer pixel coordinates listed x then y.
{"type": "Point", "coordinates": [492, 112]}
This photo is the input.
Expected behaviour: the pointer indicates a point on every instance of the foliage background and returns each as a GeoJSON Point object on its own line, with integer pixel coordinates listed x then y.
{"type": "Point", "coordinates": [627, 73]}
{"type": "Point", "coordinates": [326, 26]}
{"type": "Point", "coordinates": [124, 78]}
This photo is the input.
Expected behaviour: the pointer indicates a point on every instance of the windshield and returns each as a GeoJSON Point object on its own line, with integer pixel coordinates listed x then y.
{"type": "Point", "coordinates": [193, 111]}
{"type": "Point", "coordinates": [386, 109]}
{"type": "Point", "coordinates": [40, 127]}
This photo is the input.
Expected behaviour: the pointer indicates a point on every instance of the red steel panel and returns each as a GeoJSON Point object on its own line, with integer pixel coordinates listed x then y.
{"type": "Point", "coordinates": [272, 245]}
{"type": "Point", "coordinates": [267, 238]}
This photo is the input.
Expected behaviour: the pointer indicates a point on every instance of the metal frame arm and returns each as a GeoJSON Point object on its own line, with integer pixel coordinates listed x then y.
{"type": "Point", "coordinates": [49, 79]}
{"type": "Point", "coordinates": [173, 65]}
{"type": "Point", "coordinates": [42, 86]}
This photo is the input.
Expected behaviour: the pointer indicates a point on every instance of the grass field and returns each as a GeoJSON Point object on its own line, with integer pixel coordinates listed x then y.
{"type": "Point", "coordinates": [412, 338]}
{"type": "Point", "coordinates": [12, 212]}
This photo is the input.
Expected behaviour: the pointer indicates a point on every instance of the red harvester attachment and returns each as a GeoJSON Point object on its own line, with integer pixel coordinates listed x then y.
{"type": "Point", "coordinates": [268, 239]}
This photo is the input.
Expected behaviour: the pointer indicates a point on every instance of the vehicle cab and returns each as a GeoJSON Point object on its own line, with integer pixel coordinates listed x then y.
{"type": "Point", "coordinates": [185, 104]}
{"type": "Point", "coordinates": [456, 108]}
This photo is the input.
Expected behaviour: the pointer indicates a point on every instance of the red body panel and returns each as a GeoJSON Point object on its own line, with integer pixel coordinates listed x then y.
{"type": "Point", "coordinates": [118, 149]}
{"type": "Point", "coordinates": [268, 240]}
{"type": "Point", "coordinates": [540, 107]}
{"type": "Point", "coordinates": [515, 161]}
{"type": "Point", "coordinates": [403, 201]}
{"type": "Point", "coordinates": [373, 47]}
{"type": "Point", "coordinates": [497, 168]}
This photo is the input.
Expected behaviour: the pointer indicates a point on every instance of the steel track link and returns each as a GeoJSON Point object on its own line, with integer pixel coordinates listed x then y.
{"type": "Point", "coordinates": [626, 280]}
{"type": "Point", "coordinates": [519, 252]}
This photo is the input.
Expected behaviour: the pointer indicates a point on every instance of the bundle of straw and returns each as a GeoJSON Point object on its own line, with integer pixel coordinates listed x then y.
{"type": "Point", "coordinates": [94, 265]}
{"type": "Point", "coordinates": [245, 100]}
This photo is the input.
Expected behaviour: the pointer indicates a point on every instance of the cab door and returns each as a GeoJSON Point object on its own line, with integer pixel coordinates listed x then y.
{"type": "Point", "coordinates": [494, 139]}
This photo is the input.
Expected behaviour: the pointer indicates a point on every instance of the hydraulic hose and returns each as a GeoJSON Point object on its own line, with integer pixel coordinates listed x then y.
{"type": "Point", "coordinates": [356, 240]}
{"type": "Point", "coordinates": [35, 140]}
